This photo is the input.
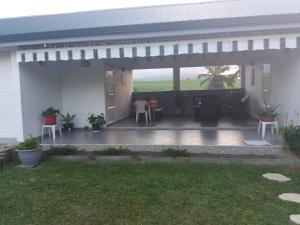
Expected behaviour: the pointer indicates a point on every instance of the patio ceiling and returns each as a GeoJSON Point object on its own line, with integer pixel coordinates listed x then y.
{"type": "Point", "coordinates": [203, 46]}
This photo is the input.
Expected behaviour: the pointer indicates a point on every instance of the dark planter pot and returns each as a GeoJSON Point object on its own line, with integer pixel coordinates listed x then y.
{"type": "Point", "coordinates": [266, 118]}
{"type": "Point", "coordinates": [30, 158]}
{"type": "Point", "coordinates": [96, 127]}
{"type": "Point", "coordinates": [68, 126]}
{"type": "Point", "coordinates": [50, 120]}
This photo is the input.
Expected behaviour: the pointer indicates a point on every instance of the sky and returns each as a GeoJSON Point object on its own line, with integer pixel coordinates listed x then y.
{"type": "Point", "coordinates": [17, 8]}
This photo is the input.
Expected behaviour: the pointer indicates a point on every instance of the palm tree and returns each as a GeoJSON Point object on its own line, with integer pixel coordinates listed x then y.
{"type": "Point", "coordinates": [216, 78]}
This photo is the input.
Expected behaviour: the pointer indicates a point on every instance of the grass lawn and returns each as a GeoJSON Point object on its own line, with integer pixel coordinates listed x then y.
{"type": "Point", "coordinates": [77, 193]}
{"type": "Point", "coordinates": [167, 85]}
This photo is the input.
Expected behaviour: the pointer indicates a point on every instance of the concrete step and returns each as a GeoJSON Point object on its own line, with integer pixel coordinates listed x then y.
{"type": "Point", "coordinates": [200, 149]}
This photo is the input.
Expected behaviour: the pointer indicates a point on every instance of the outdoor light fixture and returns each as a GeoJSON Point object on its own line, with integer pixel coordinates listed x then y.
{"type": "Point", "coordinates": [42, 63]}
{"type": "Point", "coordinates": [85, 63]}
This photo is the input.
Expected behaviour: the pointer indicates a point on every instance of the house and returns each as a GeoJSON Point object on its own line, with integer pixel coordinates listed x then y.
{"type": "Point", "coordinates": [70, 61]}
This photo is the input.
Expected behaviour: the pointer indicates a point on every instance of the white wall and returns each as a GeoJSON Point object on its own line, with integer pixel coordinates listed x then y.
{"type": "Point", "coordinates": [8, 108]}
{"type": "Point", "coordinates": [123, 93]}
{"type": "Point", "coordinates": [66, 86]}
{"type": "Point", "coordinates": [285, 72]}
{"type": "Point", "coordinates": [82, 90]}
{"type": "Point", "coordinates": [285, 85]}
{"type": "Point", "coordinates": [40, 89]}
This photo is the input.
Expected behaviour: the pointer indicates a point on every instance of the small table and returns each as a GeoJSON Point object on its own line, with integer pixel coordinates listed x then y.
{"type": "Point", "coordinates": [153, 107]}
{"type": "Point", "coordinates": [52, 130]}
{"type": "Point", "coordinates": [262, 125]}
{"type": "Point", "coordinates": [156, 111]}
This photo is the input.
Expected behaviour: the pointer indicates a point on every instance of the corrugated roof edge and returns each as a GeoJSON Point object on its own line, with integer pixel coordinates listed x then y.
{"type": "Point", "coordinates": [126, 8]}
{"type": "Point", "coordinates": [151, 27]}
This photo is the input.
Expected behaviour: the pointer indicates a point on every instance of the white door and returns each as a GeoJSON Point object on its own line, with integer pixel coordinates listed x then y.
{"type": "Point", "coordinates": [7, 98]}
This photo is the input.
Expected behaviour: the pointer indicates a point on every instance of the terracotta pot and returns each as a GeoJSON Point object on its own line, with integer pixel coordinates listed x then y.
{"type": "Point", "coordinates": [266, 118]}
{"type": "Point", "coordinates": [50, 120]}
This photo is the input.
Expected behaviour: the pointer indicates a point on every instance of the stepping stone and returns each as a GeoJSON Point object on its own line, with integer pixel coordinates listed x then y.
{"type": "Point", "coordinates": [295, 219]}
{"type": "Point", "coordinates": [290, 197]}
{"type": "Point", "coordinates": [276, 177]}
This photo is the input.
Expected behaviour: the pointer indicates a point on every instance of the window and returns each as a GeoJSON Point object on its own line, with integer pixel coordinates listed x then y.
{"type": "Point", "coordinates": [235, 46]}
{"type": "Point", "coordinates": [266, 44]}
{"type": "Point", "coordinates": [210, 78]}
{"type": "Point", "coordinates": [282, 43]}
{"type": "Point", "coordinates": [250, 44]}
{"type": "Point", "coordinates": [220, 46]}
{"type": "Point", "coordinates": [153, 80]}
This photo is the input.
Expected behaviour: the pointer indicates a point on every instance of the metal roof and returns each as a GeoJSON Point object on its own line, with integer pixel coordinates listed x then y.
{"type": "Point", "coordinates": [109, 20]}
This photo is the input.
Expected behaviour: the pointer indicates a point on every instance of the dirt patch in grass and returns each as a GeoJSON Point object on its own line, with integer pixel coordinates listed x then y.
{"type": "Point", "coordinates": [175, 153]}
{"type": "Point", "coordinates": [113, 152]}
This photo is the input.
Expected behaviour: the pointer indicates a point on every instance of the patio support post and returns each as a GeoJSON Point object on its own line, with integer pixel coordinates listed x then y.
{"type": "Point", "coordinates": [176, 78]}
{"type": "Point", "coordinates": [243, 73]}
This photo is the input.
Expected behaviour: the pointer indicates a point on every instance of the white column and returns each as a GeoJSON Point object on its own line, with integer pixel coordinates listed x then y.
{"type": "Point", "coordinates": [243, 73]}
{"type": "Point", "coordinates": [176, 78]}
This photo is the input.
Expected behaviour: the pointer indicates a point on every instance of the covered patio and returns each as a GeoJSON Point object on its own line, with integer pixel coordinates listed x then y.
{"type": "Point", "coordinates": [82, 81]}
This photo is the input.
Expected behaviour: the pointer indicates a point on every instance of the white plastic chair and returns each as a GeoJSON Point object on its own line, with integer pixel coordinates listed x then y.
{"type": "Point", "coordinates": [263, 125]}
{"type": "Point", "coordinates": [140, 107]}
{"type": "Point", "coordinates": [51, 130]}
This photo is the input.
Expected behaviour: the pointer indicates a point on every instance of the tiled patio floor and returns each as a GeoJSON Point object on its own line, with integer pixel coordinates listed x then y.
{"type": "Point", "coordinates": [188, 123]}
{"type": "Point", "coordinates": [161, 137]}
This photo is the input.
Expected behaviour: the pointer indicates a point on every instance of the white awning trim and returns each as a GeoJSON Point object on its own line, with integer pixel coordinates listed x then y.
{"type": "Point", "coordinates": [162, 49]}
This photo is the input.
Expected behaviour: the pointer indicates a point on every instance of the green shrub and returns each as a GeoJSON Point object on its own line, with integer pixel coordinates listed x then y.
{"type": "Point", "coordinates": [175, 153]}
{"type": "Point", "coordinates": [67, 119]}
{"type": "Point", "coordinates": [96, 119]}
{"type": "Point", "coordinates": [113, 152]}
{"type": "Point", "coordinates": [29, 144]}
{"type": "Point", "coordinates": [291, 136]}
{"type": "Point", "coordinates": [295, 146]}
{"type": "Point", "coordinates": [62, 151]}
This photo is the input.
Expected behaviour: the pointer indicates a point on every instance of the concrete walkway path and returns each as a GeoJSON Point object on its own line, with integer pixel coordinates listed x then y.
{"type": "Point", "coordinates": [276, 177]}
{"type": "Point", "coordinates": [290, 197]}
{"type": "Point", "coordinates": [295, 219]}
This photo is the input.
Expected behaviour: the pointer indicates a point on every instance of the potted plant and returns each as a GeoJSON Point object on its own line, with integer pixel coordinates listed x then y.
{"type": "Point", "coordinates": [67, 121]}
{"type": "Point", "coordinates": [268, 113]}
{"type": "Point", "coordinates": [96, 121]}
{"type": "Point", "coordinates": [50, 115]}
{"type": "Point", "coordinates": [29, 152]}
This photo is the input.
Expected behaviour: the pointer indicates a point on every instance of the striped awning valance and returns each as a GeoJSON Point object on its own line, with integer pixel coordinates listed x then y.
{"type": "Point", "coordinates": [162, 49]}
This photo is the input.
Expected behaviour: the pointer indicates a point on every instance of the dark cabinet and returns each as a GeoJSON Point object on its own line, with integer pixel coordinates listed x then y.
{"type": "Point", "coordinates": [207, 108]}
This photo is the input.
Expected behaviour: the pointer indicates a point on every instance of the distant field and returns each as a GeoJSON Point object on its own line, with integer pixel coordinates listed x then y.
{"type": "Point", "coordinates": [167, 85]}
